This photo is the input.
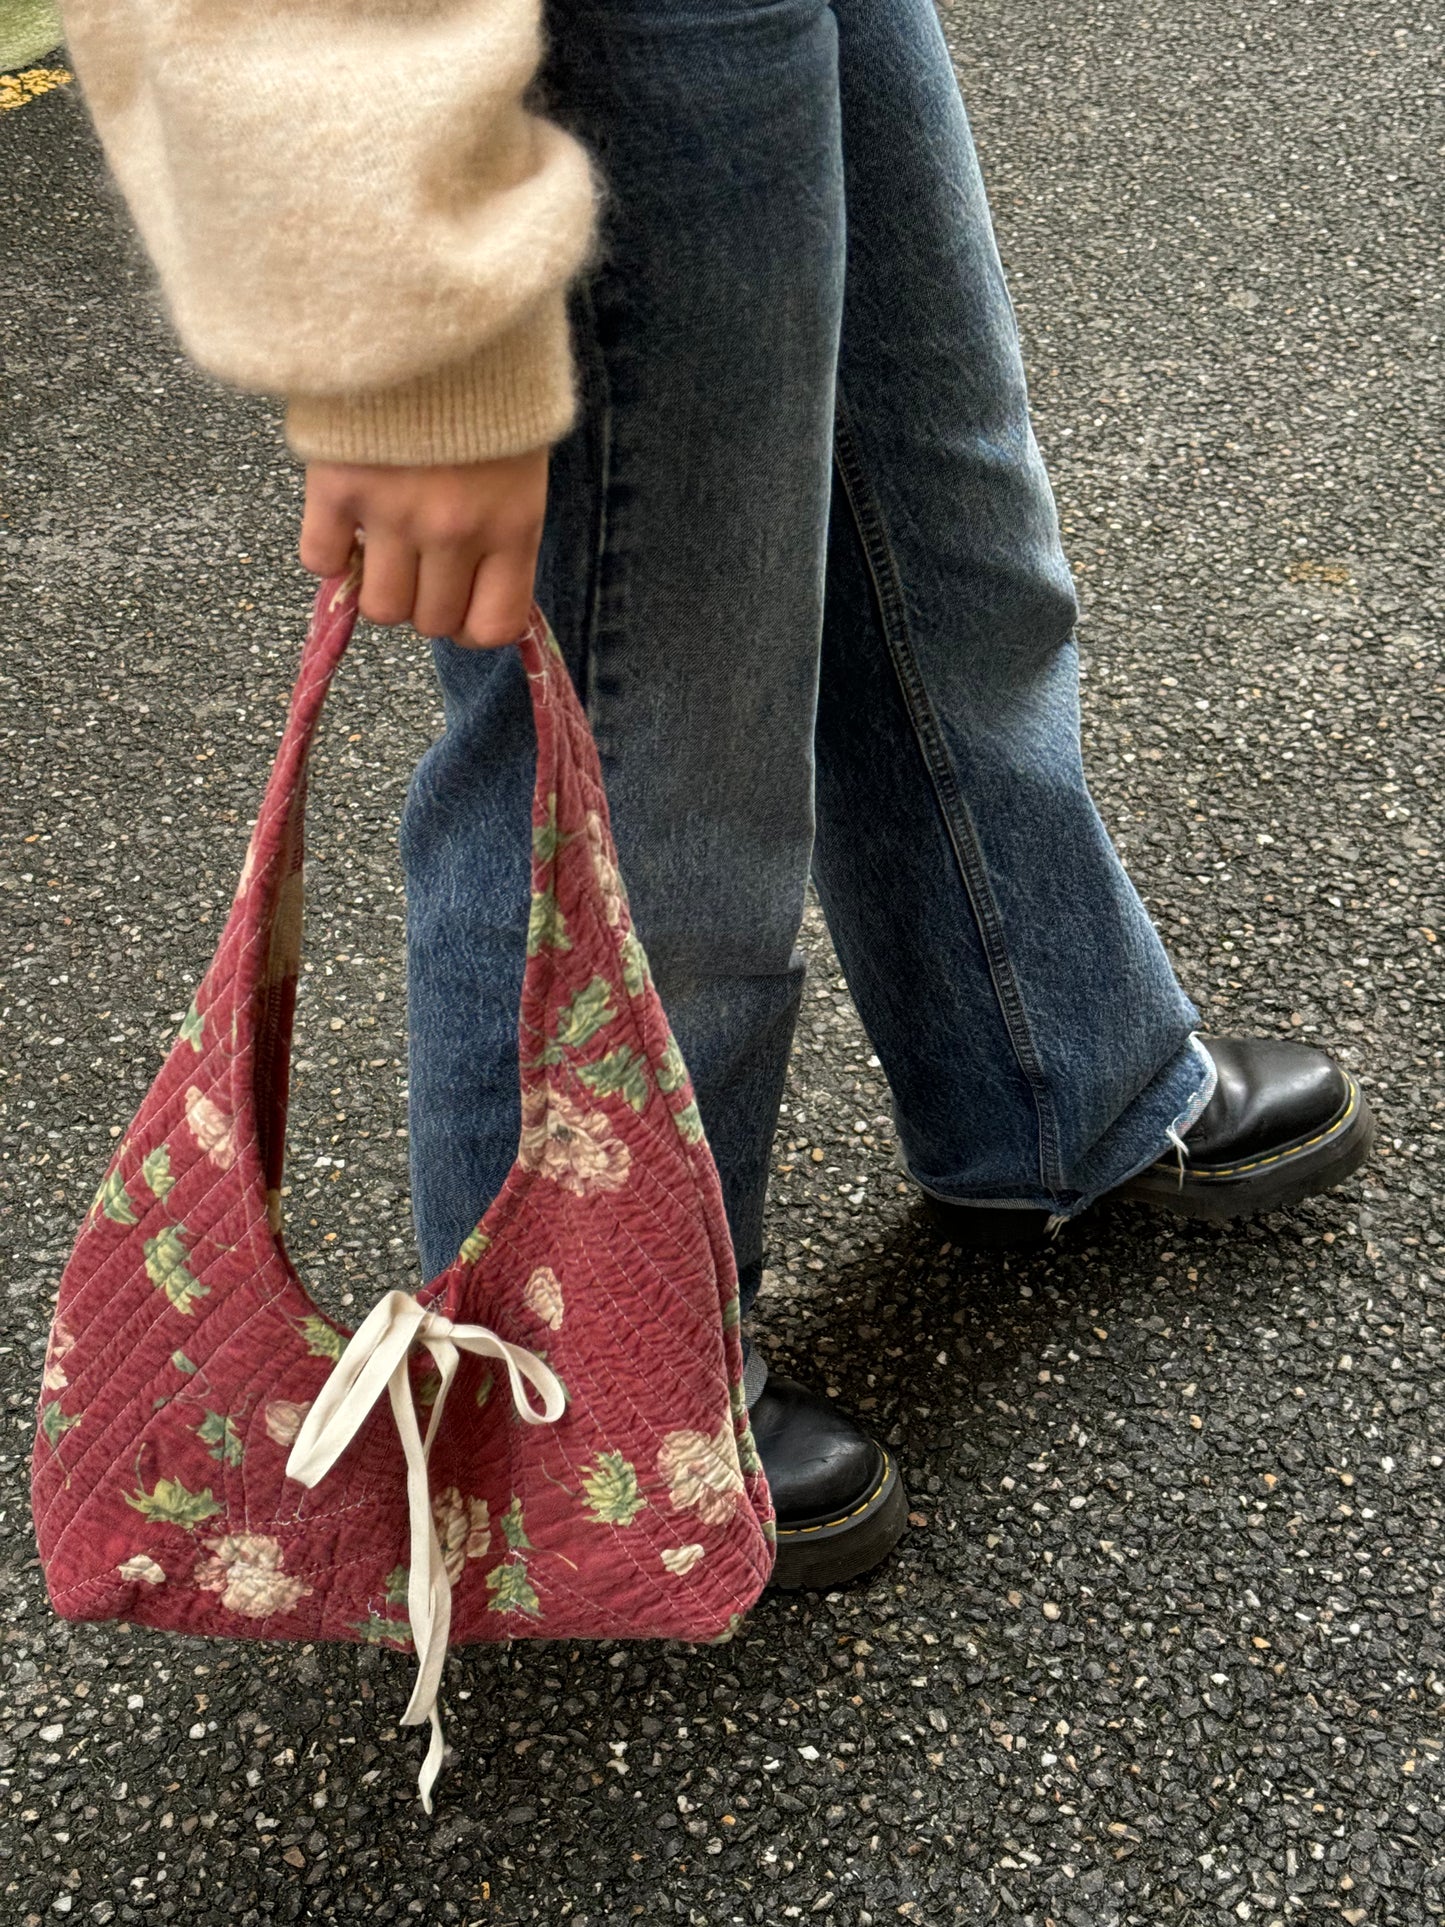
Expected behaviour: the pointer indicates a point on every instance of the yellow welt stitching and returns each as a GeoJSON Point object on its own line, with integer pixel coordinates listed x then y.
{"type": "Point", "coordinates": [798, 1532]}
{"type": "Point", "coordinates": [1296, 1150]}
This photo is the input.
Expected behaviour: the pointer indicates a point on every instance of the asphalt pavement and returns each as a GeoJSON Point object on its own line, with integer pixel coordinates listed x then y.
{"type": "Point", "coordinates": [1166, 1640]}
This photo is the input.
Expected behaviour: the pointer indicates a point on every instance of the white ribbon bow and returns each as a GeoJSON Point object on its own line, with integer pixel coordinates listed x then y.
{"type": "Point", "coordinates": [376, 1356]}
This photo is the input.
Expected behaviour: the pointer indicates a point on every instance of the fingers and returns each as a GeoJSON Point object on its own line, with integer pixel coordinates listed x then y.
{"type": "Point", "coordinates": [501, 600]}
{"type": "Point", "coordinates": [451, 549]}
{"type": "Point", "coordinates": [445, 580]}
{"type": "Point", "coordinates": [388, 579]}
{"type": "Point", "coordinates": [328, 529]}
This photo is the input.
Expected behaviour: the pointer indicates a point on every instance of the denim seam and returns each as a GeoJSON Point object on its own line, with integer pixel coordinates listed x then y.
{"type": "Point", "coordinates": [883, 569]}
{"type": "Point", "coordinates": [592, 617]}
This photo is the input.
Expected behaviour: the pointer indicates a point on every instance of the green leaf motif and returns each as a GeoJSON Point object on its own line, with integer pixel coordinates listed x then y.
{"type": "Point", "coordinates": [156, 1171]}
{"type": "Point", "coordinates": [547, 839]}
{"type": "Point", "coordinates": [428, 1385]}
{"type": "Point", "coordinates": [322, 1340]}
{"type": "Point", "coordinates": [171, 1504]}
{"type": "Point", "coordinates": [546, 926]}
{"type": "Point", "coordinates": [636, 974]}
{"type": "Point", "coordinates": [182, 1363]}
{"type": "Point", "coordinates": [115, 1201]}
{"type": "Point", "coordinates": [513, 1529]}
{"type": "Point", "coordinates": [579, 1021]}
{"type": "Point", "coordinates": [377, 1631]}
{"type": "Point", "coordinates": [55, 1424]}
{"type": "Point", "coordinates": [732, 1313]}
{"type": "Point", "coordinates": [621, 1073]}
{"type": "Point", "coordinates": [484, 1390]}
{"type": "Point", "coordinates": [730, 1631]}
{"type": "Point", "coordinates": [689, 1122]}
{"type": "Point", "coordinates": [748, 1459]}
{"type": "Point", "coordinates": [192, 1027]}
{"type": "Point", "coordinates": [511, 1590]}
{"type": "Point", "coordinates": [473, 1246]}
{"type": "Point", "coordinates": [165, 1257]}
{"type": "Point", "coordinates": [396, 1586]}
{"type": "Point", "coordinates": [218, 1431]}
{"type": "Point", "coordinates": [671, 1071]}
{"type": "Point", "coordinates": [613, 1497]}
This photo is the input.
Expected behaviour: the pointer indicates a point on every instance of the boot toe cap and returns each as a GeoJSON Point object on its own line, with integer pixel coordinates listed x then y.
{"type": "Point", "coordinates": [1270, 1093]}
{"type": "Point", "coordinates": [819, 1462]}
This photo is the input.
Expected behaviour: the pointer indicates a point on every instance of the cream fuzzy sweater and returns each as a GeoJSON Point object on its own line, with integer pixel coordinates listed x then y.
{"type": "Point", "coordinates": [348, 205]}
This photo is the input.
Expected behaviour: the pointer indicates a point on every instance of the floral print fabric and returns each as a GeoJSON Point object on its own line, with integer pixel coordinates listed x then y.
{"type": "Point", "coordinates": [184, 1353]}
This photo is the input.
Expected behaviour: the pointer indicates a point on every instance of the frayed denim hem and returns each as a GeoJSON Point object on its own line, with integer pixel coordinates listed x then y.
{"type": "Point", "coordinates": [1060, 1210]}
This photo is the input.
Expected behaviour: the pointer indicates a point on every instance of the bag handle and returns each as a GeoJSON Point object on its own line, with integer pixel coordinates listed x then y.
{"type": "Point", "coordinates": [266, 917]}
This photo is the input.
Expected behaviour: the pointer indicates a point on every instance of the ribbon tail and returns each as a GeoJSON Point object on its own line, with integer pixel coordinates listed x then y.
{"type": "Point", "coordinates": [432, 1764]}
{"type": "Point", "coordinates": [429, 1591]}
{"type": "Point", "coordinates": [431, 1652]}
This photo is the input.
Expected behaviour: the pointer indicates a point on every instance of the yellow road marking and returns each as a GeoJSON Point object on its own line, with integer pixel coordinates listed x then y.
{"type": "Point", "coordinates": [29, 84]}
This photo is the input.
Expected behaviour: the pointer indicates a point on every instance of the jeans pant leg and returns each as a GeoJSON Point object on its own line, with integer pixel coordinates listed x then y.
{"type": "Point", "coordinates": [1035, 1040]}
{"type": "Point", "coordinates": [683, 572]}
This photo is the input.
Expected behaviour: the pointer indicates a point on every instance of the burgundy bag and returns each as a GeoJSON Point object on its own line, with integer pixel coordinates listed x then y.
{"type": "Point", "coordinates": [215, 1455]}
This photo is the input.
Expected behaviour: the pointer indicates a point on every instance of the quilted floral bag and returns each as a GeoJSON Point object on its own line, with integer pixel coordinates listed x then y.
{"type": "Point", "coordinates": [550, 1440]}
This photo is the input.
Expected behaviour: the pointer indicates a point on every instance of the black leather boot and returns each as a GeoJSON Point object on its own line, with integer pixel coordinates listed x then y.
{"type": "Point", "coordinates": [838, 1495]}
{"type": "Point", "coordinates": [1284, 1122]}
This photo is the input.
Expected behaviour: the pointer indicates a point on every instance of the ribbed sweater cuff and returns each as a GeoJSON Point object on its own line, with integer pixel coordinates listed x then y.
{"type": "Point", "coordinates": [516, 394]}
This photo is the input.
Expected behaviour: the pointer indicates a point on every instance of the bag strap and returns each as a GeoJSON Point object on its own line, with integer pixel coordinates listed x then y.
{"type": "Point", "coordinates": [267, 915]}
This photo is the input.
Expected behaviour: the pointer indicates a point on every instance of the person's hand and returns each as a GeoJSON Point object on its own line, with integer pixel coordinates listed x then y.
{"type": "Point", "coordinates": [453, 551]}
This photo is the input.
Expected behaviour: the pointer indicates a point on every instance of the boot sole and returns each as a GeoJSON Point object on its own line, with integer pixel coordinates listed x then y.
{"type": "Point", "coordinates": [1284, 1177]}
{"type": "Point", "coordinates": [986, 1228]}
{"type": "Point", "coordinates": [830, 1553]}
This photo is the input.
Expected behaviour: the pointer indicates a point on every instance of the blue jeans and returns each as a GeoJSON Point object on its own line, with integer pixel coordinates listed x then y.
{"type": "Point", "coordinates": [803, 562]}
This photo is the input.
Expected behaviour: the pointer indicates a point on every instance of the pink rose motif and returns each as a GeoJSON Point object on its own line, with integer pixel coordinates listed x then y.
{"type": "Point", "coordinates": [141, 1567]}
{"type": "Point", "coordinates": [211, 1128]}
{"type": "Point", "coordinates": [62, 1342]}
{"type": "Point", "coordinates": [680, 1560]}
{"type": "Point", "coordinates": [703, 1473]}
{"type": "Point", "coordinates": [284, 1419]}
{"type": "Point", "coordinates": [245, 1569]}
{"type": "Point", "coordinates": [542, 1294]}
{"type": "Point", "coordinates": [462, 1527]}
{"type": "Point", "coordinates": [574, 1148]}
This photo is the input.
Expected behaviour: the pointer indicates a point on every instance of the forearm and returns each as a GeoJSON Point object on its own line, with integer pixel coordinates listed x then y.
{"type": "Point", "coordinates": [349, 206]}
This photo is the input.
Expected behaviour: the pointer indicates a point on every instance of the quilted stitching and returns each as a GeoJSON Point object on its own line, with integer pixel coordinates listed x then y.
{"type": "Point", "coordinates": [184, 1347]}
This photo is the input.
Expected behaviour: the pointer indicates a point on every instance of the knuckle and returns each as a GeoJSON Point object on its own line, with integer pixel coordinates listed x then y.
{"type": "Point", "coordinates": [452, 528]}
{"type": "Point", "coordinates": [386, 611]}
{"type": "Point", "coordinates": [519, 532]}
{"type": "Point", "coordinates": [494, 634]}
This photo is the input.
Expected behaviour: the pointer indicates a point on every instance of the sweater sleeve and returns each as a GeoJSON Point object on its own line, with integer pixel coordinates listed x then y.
{"type": "Point", "coordinates": [349, 205]}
